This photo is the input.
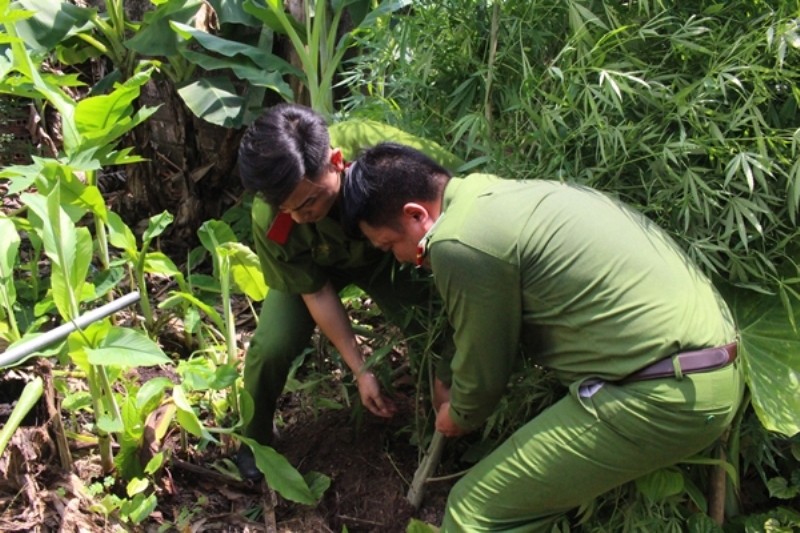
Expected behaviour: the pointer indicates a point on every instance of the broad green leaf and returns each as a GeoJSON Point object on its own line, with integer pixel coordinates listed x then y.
{"type": "Point", "coordinates": [110, 424]}
{"type": "Point", "coordinates": [230, 49]}
{"type": "Point", "coordinates": [96, 115]}
{"type": "Point", "coordinates": [151, 393]}
{"type": "Point", "coordinates": [85, 197]}
{"type": "Point", "coordinates": [126, 347]}
{"type": "Point", "coordinates": [186, 416]}
{"type": "Point", "coordinates": [779, 488]}
{"type": "Point", "coordinates": [101, 120]}
{"type": "Point", "coordinates": [155, 38]}
{"type": "Point", "coordinates": [197, 374]}
{"type": "Point", "coordinates": [79, 341]}
{"type": "Point", "coordinates": [139, 508]}
{"type": "Point", "coordinates": [120, 235]}
{"type": "Point", "coordinates": [214, 100]}
{"type": "Point", "coordinates": [280, 474]}
{"type": "Point", "coordinates": [156, 225]}
{"type": "Point", "coordinates": [659, 485]}
{"type": "Point", "coordinates": [770, 352]}
{"type": "Point", "coordinates": [245, 70]}
{"type": "Point", "coordinates": [155, 463]}
{"type": "Point", "coordinates": [52, 22]}
{"type": "Point", "coordinates": [160, 263]}
{"type": "Point", "coordinates": [245, 270]}
{"type": "Point", "coordinates": [214, 233]}
{"type": "Point", "coordinates": [136, 485]}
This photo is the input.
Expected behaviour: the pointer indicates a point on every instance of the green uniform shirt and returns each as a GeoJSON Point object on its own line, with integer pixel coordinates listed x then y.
{"type": "Point", "coordinates": [584, 285]}
{"type": "Point", "coordinates": [299, 265]}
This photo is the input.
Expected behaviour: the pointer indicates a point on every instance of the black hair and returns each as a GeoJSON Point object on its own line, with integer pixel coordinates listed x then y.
{"type": "Point", "coordinates": [383, 179]}
{"type": "Point", "coordinates": [285, 144]}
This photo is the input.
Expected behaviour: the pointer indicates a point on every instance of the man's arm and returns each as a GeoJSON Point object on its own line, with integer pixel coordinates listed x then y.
{"type": "Point", "coordinates": [484, 305]}
{"type": "Point", "coordinates": [328, 312]}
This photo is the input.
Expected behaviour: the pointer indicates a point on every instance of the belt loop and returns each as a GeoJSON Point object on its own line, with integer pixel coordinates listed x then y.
{"type": "Point", "coordinates": [676, 367]}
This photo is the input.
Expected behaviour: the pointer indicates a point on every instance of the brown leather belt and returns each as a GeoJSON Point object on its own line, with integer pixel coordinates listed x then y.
{"type": "Point", "coordinates": [687, 363]}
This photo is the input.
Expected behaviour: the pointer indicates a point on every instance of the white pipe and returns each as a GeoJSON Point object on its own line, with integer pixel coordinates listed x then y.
{"type": "Point", "coordinates": [15, 354]}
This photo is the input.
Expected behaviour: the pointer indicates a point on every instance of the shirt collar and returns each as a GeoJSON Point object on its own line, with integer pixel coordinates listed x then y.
{"type": "Point", "coordinates": [422, 245]}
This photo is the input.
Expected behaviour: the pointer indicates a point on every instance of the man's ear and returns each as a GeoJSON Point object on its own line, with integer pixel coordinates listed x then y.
{"type": "Point", "coordinates": [337, 159]}
{"type": "Point", "coordinates": [416, 211]}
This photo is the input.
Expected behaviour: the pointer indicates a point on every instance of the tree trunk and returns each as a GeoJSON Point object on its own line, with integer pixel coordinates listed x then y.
{"type": "Point", "coordinates": [189, 171]}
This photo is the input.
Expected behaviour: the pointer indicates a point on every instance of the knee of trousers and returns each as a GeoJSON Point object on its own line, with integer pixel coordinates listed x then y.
{"type": "Point", "coordinates": [273, 348]}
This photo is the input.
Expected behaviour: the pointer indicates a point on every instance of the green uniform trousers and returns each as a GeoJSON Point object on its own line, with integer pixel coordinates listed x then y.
{"type": "Point", "coordinates": [582, 447]}
{"type": "Point", "coordinates": [285, 327]}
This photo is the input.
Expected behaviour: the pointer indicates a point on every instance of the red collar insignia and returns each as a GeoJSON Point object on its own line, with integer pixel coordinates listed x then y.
{"type": "Point", "coordinates": [280, 228]}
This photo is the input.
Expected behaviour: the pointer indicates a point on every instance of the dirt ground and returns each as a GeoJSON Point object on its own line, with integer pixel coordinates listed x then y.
{"type": "Point", "coordinates": [370, 465]}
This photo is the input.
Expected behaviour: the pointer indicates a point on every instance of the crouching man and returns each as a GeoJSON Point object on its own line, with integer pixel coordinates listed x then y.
{"type": "Point", "coordinates": [581, 285]}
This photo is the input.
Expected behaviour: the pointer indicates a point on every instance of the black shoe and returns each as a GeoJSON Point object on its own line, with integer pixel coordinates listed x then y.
{"type": "Point", "coordinates": [247, 464]}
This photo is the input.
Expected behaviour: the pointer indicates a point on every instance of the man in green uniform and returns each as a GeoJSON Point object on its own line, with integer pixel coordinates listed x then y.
{"type": "Point", "coordinates": [583, 286]}
{"type": "Point", "coordinates": [294, 164]}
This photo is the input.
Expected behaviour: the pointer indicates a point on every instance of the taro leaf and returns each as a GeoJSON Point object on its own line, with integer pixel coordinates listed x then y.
{"type": "Point", "coordinates": [214, 100]}
{"type": "Point", "coordinates": [280, 474]}
{"type": "Point", "coordinates": [770, 352]}
{"type": "Point", "coordinates": [52, 22]}
{"type": "Point", "coordinates": [155, 38]}
{"type": "Point", "coordinates": [126, 347]}
{"type": "Point", "coordinates": [659, 485]}
{"type": "Point", "coordinates": [245, 270]}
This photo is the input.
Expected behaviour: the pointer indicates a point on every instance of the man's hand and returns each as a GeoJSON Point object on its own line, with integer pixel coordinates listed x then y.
{"type": "Point", "coordinates": [445, 424]}
{"type": "Point", "coordinates": [441, 394]}
{"type": "Point", "coordinates": [371, 396]}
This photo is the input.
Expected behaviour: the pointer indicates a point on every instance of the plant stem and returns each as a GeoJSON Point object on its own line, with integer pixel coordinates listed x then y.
{"type": "Point", "coordinates": [103, 438]}
{"type": "Point", "coordinates": [230, 325]}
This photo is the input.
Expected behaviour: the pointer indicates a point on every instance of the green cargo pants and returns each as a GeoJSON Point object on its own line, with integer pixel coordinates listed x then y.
{"type": "Point", "coordinates": [285, 327]}
{"type": "Point", "coordinates": [582, 447]}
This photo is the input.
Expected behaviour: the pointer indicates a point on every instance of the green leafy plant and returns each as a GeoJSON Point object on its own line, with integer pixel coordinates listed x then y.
{"type": "Point", "coordinates": [9, 247]}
